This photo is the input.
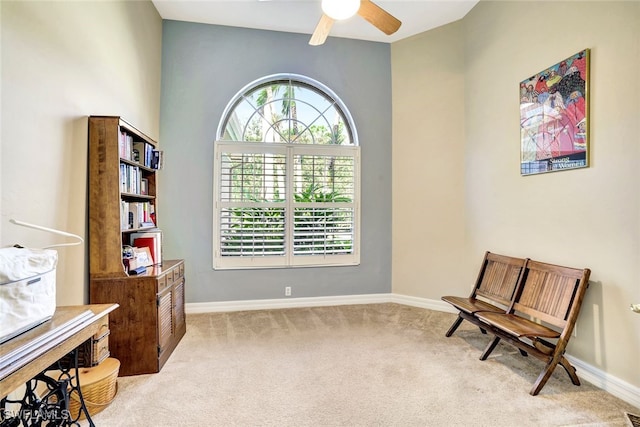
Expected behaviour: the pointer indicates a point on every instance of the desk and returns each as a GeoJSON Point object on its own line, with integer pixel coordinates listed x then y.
{"type": "Point", "coordinates": [27, 355]}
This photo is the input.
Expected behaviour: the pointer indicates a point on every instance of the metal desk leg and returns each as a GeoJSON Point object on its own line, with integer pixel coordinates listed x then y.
{"type": "Point", "coordinates": [46, 400]}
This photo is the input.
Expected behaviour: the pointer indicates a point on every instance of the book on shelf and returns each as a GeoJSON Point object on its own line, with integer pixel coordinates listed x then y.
{"type": "Point", "coordinates": [149, 215]}
{"type": "Point", "coordinates": [124, 215]}
{"type": "Point", "coordinates": [130, 179]}
{"type": "Point", "coordinates": [125, 142]}
{"type": "Point", "coordinates": [136, 215]}
{"type": "Point", "coordinates": [151, 239]}
{"type": "Point", "coordinates": [157, 161]}
{"type": "Point", "coordinates": [135, 151]}
{"type": "Point", "coordinates": [151, 244]}
{"type": "Point", "coordinates": [143, 153]}
{"type": "Point", "coordinates": [138, 152]}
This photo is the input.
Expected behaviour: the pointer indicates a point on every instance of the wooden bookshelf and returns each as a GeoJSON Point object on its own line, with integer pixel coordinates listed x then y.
{"type": "Point", "coordinates": [151, 318]}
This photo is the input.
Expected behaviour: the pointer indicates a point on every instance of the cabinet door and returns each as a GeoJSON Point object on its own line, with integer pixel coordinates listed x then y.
{"type": "Point", "coordinates": [165, 321]}
{"type": "Point", "coordinates": [178, 305]}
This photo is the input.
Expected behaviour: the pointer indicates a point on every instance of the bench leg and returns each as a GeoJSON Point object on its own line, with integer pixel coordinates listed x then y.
{"type": "Point", "coordinates": [544, 376]}
{"type": "Point", "coordinates": [489, 349]}
{"type": "Point", "coordinates": [571, 371]}
{"type": "Point", "coordinates": [484, 331]}
{"type": "Point", "coordinates": [455, 325]}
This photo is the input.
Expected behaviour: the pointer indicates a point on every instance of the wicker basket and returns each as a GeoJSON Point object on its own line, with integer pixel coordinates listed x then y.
{"type": "Point", "coordinates": [99, 386]}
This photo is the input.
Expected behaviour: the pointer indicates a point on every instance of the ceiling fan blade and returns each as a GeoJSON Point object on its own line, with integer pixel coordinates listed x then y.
{"type": "Point", "coordinates": [379, 17]}
{"type": "Point", "coordinates": [322, 31]}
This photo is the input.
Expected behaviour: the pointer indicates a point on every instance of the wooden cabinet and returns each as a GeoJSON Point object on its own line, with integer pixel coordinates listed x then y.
{"type": "Point", "coordinates": [150, 322]}
{"type": "Point", "coordinates": [151, 319]}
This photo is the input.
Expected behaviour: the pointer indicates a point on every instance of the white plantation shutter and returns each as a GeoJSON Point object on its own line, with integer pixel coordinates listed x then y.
{"type": "Point", "coordinates": [252, 231]}
{"type": "Point", "coordinates": [250, 205]}
{"type": "Point", "coordinates": [324, 203]}
{"type": "Point", "coordinates": [323, 231]}
{"type": "Point", "coordinates": [261, 223]}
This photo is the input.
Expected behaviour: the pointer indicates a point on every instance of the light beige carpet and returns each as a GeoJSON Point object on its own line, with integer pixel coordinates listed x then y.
{"type": "Point", "coordinates": [358, 365]}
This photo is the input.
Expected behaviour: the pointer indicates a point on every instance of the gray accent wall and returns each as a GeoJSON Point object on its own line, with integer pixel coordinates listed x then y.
{"type": "Point", "coordinates": [203, 67]}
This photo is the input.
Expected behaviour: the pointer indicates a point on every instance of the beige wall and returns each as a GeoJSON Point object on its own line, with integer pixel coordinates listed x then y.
{"type": "Point", "coordinates": [582, 218]}
{"type": "Point", "coordinates": [429, 215]}
{"type": "Point", "coordinates": [63, 61]}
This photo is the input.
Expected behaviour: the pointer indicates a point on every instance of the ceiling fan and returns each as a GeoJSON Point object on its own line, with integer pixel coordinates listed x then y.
{"type": "Point", "coordinates": [336, 10]}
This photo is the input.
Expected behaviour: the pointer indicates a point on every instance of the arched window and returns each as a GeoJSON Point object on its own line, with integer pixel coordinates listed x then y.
{"type": "Point", "coordinates": [286, 177]}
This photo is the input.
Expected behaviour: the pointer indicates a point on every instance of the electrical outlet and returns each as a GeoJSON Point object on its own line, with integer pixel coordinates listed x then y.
{"type": "Point", "coordinates": [287, 291]}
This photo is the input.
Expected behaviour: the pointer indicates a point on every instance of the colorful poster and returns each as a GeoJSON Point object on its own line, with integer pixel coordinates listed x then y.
{"type": "Point", "coordinates": [554, 107]}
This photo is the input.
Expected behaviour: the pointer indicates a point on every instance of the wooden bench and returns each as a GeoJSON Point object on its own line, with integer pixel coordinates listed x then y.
{"type": "Point", "coordinates": [493, 291]}
{"type": "Point", "coordinates": [545, 307]}
{"type": "Point", "coordinates": [540, 316]}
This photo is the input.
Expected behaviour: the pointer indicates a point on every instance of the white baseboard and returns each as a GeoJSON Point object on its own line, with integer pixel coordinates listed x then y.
{"type": "Point", "coordinates": [271, 304]}
{"type": "Point", "coordinates": [617, 387]}
{"type": "Point", "coordinates": [429, 304]}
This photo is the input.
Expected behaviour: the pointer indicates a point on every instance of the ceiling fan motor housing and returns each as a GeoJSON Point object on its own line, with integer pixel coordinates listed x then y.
{"type": "Point", "coordinates": [340, 9]}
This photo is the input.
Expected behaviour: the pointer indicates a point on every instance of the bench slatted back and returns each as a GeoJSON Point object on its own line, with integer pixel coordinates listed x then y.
{"type": "Point", "coordinates": [552, 293]}
{"type": "Point", "coordinates": [498, 279]}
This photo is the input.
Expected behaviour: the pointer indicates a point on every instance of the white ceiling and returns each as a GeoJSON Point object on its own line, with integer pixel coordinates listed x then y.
{"type": "Point", "coordinates": [302, 16]}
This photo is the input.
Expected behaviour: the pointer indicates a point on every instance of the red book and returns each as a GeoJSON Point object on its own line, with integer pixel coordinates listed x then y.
{"type": "Point", "coordinates": [147, 242]}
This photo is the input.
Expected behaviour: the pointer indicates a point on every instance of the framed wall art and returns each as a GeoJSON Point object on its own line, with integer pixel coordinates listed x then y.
{"type": "Point", "coordinates": [554, 117]}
